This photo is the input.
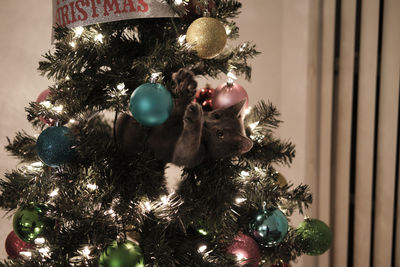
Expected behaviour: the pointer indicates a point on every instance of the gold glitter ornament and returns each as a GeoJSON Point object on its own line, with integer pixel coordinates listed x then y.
{"type": "Point", "coordinates": [207, 36]}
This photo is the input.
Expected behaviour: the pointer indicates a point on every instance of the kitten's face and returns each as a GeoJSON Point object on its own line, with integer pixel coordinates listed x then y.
{"type": "Point", "coordinates": [224, 133]}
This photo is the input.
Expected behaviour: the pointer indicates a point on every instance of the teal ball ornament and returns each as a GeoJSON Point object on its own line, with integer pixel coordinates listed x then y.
{"type": "Point", "coordinates": [30, 222]}
{"type": "Point", "coordinates": [269, 227]}
{"type": "Point", "coordinates": [151, 104]}
{"type": "Point", "coordinates": [314, 236]}
{"type": "Point", "coordinates": [126, 254]}
{"type": "Point", "coordinates": [55, 146]}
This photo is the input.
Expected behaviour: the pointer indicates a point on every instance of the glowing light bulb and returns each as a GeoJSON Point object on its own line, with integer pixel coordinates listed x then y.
{"type": "Point", "coordinates": [54, 192]}
{"type": "Point", "coordinates": [254, 125]}
{"type": "Point", "coordinates": [78, 31]}
{"type": "Point", "coordinates": [178, 2]}
{"type": "Point", "coordinates": [240, 257]}
{"type": "Point", "coordinates": [164, 200]}
{"type": "Point", "coordinates": [202, 248]}
{"type": "Point", "coordinates": [181, 39]}
{"type": "Point", "coordinates": [92, 186]}
{"type": "Point", "coordinates": [58, 109]}
{"type": "Point", "coordinates": [240, 200]}
{"type": "Point", "coordinates": [228, 29]}
{"type": "Point", "coordinates": [99, 38]}
{"type": "Point", "coordinates": [40, 241]}
{"type": "Point", "coordinates": [72, 44]}
{"type": "Point", "coordinates": [147, 204]}
{"type": "Point", "coordinates": [247, 111]}
{"type": "Point", "coordinates": [121, 86]}
{"type": "Point", "coordinates": [86, 252]}
{"type": "Point", "coordinates": [245, 174]}
{"type": "Point", "coordinates": [27, 254]}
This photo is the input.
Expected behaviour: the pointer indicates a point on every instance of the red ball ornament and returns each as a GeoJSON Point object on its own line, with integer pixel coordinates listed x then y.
{"type": "Point", "coordinates": [41, 98]}
{"type": "Point", "coordinates": [246, 250]}
{"type": "Point", "coordinates": [196, 8]}
{"type": "Point", "coordinates": [204, 98]}
{"type": "Point", "coordinates": [229, 94]}
{"type": "Point", "coordinates": [14, 245]}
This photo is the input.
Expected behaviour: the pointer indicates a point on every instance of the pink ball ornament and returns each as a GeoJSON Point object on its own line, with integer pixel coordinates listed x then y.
{"type": "Point", "coordinates": [229, 94]}
{"type": "Point", "coordinates": [14, 245]}
{"type": "Point", "coordinates": [246, 250]}
{"type": "Point", "coordinates": [41, 98]}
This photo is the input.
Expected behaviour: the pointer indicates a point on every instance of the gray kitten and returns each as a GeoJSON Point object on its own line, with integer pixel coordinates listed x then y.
{"type": "Point", "coordinates": [190, 135]}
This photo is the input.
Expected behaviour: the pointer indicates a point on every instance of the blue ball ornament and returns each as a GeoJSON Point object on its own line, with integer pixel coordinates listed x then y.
{"type": "Point", "coordinates": [269, 227]}
{"type": "Point", "coordinates": [151, 104]}
{"type": "Point", "coordinates": [55, 146]}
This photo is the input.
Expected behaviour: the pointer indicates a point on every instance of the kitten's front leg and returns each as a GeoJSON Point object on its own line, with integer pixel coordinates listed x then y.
{"type": "Point", "coordinates": [188, 150]}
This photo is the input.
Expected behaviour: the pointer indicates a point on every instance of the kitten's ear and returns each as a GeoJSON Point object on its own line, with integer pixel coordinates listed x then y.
{"type": "Point", "coordinates": [237, 108]}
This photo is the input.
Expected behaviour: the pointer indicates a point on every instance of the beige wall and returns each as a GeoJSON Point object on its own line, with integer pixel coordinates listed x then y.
{"type": "Point", "coordinates": [280, 28]}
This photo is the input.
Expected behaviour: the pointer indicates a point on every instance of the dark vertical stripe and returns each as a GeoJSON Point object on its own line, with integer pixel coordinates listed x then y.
{"type": "Point", "coordinates": [338, 12]}
{"type": "Point", "coordinates": [352, 187]}
{"type": "Point", "coordinates": [396, 192]}
{"type": "Point", "coordinates": [378, 82]}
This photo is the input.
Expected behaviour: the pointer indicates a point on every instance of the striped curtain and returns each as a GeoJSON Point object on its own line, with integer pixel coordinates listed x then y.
{"type": "Point", "coordinates": [356, 121]}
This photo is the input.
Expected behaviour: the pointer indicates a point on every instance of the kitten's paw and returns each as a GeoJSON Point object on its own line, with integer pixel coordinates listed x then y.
{"type": "Point", "coordinates": [184, 82]}
{"type": "Point", "coordinates": [193, 114]}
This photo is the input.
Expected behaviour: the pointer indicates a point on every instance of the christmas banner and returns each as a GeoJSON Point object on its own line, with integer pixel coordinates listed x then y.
{"type": "Point", "coordinates": [74, 13]}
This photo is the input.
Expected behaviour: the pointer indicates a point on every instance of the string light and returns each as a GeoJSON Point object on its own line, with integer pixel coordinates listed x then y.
{"type": "Point", "coordinates": [147, 204]}
{"type": "Point", "coordinates": [78, 31]}
{"type": "Point", "coordinates": [247, 111]}
{"type": "Point", "coordinates": [99, 38]}
{"type": "Point", "coordinates": [26, 254]}
{"type": "Point", "coordinates": [245, 174]}
{"type": "Point", "coordinates": [228, 29]}
{"type": "Point", "coordinates": [72, 44]}
{"type": "Point", "coordinates": [202, 248]}
{"type": "Point", "coordinates": [110, 212]}
{"type": "Point", "coordinates": [86, 252]}
{"type": "Point", "coordinates": [92, 187]}
{"type": "Point", "coordinates": [254, 125]}
{"type": "Point", "coordinates": [240, 200]}
{"type": "Point", "coordinates": [240, 257]}
{"type": "Point", "coordinates": [242, 47]}
{"type": "Point", "coordinates": [178, 2]}
{"type": "Point", "coordinates": [181, 39]}
{"type": "Point", "coordinates": [35, 166]}
{"type": "Point", "coordinates": [121, 86]}
{"type": "Point", "coordinates": [202, 232]}
{"type": "Point", "coordinates": [46, 104]}
{"type": "Point", "coordinates": [72, 121]}
{"type": "Point", "coordinates": [58, 109]}
{"type": "Point", "coordinates": [164, 200]}
{"type": "Point", "coordinates": [40, 241]}
{"type": "Point", "coordinates": [54, 192]}
{"type": "Point", "coordinates": [45, 252]}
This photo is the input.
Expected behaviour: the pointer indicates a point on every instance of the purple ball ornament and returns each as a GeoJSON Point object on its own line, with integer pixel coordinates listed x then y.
{"type": "Point", "coordinates": [246, 250]}
{"type": "Point", "coordinates": [229, 94]}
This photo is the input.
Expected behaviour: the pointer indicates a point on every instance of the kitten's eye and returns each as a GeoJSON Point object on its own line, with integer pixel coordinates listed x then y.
{"type": "Point", "coordinates": [220, 134]}
{"type": "Point", "coordinates": [216, 116]}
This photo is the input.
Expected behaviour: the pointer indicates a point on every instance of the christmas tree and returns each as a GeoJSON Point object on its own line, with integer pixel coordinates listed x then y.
{"type": "Point", "coordinates": [91, 190]}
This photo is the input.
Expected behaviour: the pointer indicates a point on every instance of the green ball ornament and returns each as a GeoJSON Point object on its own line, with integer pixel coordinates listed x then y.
{"type": "Point", "coordinates": [314, 236]}
{"type": "Point", "coordinates": [126, 254]}
{"type": "Point", "coordinates": [269, 227]}
{"type": "Point", "coordinates": [30, 222]}
{"type": "Point", "coordinates": [151, 104]}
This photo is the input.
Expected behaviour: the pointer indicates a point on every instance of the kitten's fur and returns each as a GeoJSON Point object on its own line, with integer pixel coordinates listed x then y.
{"type": "Point", "coordinates": [190, 135]}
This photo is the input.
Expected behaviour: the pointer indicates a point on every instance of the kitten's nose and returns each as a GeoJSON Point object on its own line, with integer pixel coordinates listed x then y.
{"type": "Point", "coordinates": [246, 145]}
